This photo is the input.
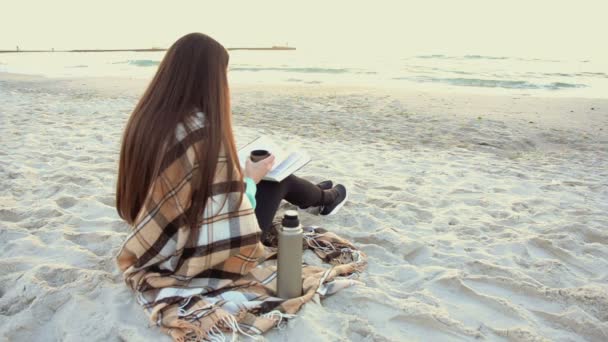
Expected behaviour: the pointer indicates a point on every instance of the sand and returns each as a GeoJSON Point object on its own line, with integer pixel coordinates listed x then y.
{"type": "Point", "coordinates": [484, 217]}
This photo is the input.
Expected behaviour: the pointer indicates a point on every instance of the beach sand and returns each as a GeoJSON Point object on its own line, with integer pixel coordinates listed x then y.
{"type": "Point", "coordinates": [484, 217]}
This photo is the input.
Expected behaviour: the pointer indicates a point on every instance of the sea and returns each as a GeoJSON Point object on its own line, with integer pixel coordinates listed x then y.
{"type": "Point", "coordinates": [468, 73]}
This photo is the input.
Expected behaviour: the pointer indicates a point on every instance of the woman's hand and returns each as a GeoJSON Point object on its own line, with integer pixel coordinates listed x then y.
{"type": "Point", "coordinates": [257, 171]}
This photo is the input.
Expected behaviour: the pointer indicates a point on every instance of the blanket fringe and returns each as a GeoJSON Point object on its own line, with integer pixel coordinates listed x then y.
{"type": "Point", "coordinates": [333, 252]}
{"type": "Point", "coordinates": [185, 331]}
{"type": "Point", "coordinates": [231, 323]}
{"type": "Point", "coordinates": [279, 316]}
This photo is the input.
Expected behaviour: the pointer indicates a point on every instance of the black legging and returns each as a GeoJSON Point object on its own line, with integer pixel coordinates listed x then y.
{"type": "Point", "coordinates": [295, 190]}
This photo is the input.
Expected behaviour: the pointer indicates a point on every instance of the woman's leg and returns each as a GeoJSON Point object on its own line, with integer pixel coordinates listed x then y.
{"type": "Point", "coordinates": [295, 190]}
{"type": "Point", "coordinates": [268, 197]}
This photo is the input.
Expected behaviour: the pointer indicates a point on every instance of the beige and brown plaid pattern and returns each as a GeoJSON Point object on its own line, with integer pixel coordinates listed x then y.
{"type": "Point", "coordinates": [198, 284]}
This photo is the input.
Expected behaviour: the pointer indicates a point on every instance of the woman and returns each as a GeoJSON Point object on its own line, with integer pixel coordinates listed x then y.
{"type": "Point", "coordinates": [190, 80]}
{"type": "Point", "coordinates": [190, 204]}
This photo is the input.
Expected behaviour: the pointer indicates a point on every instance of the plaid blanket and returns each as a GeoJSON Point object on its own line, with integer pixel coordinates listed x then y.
{"type": "Point", "coordinates": [200, 284]}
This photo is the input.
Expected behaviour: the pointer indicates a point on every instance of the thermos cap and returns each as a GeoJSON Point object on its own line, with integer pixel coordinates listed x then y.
{"type": "Point", "coordinates": [290, 219]}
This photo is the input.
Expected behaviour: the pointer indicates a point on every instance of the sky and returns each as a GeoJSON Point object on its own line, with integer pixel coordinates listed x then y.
{"type": "Point", "coordinates": [526, 28]}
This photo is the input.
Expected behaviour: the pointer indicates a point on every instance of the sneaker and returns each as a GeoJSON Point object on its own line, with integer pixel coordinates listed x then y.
{"type": "Point", "coordinates": [333, 208]}
{"type": "Point", "coordinates": [326, 185]}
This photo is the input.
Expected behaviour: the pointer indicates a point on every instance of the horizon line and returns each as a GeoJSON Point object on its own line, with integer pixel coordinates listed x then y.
{"type": "Point", "coordinates": [272, 48]}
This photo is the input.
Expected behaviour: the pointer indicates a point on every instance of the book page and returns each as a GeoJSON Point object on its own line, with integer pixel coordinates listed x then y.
{"type": "Point", "coordinates": [287, 160]}
{"type": "Point", "coordinates": [282, 167]}
{"type": "Point", "coordinates": [293, 163]}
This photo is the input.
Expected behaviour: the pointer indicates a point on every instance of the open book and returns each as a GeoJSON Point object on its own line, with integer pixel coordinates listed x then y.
{"type": "Point", "coordinates": [286, 162]}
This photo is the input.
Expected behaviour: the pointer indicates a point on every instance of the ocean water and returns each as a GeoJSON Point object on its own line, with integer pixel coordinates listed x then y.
{"type": "Point", "coordinates": [470, 73]}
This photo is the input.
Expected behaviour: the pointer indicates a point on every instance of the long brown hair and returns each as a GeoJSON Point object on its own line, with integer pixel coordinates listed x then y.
{"type": "Point", "coordinates": [191, 78]}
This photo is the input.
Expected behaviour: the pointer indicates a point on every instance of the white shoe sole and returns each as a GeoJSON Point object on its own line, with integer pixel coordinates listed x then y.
{"type": "Point", "coordinates": [337, 208]}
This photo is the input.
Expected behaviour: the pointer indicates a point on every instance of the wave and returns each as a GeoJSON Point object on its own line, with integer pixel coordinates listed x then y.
{"type": "Point", "coordinates": [476, 57]}
{"type": "Point", "coordinates": [144, 62]}
{"type": "Point", "coordinates": [301, 70]}
{"type": "Point", "coordinates": [483, 57]}
{"type": "Point", "coordinates": [297, 80]}
{"type": "Point", "coordinates": [416, 69]}
{"type": "Point", "coordinates": [485, 83]}
{"type": "Point", "coordinates": [140, 62]}
{"type": "Point", "coordinates": [578, 74]}
{"type": "Point", "coordinates": [459, 57]}
{"type": "Point", "coordinates": [600, 74]}
{"type": "Point", "coordinates": [561, 85]}
{"type": "Point", "coordinates": [434, 56]}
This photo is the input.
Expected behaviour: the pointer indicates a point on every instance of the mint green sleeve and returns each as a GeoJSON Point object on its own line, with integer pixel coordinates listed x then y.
{"type": "Point", "coordinates": [250, 190]}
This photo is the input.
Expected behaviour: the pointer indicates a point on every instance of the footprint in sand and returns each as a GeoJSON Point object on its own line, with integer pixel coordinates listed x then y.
{"type": "Point", "coordinates": [16, 305]}
{"type": "Point", "coordinates": [14, 175]}
{"type": "Point", "coordinates": [79, 180]}
{"type": "Point", "coordinates": [83, 159]}
{"type": "Point", "coordinates": [46, 213]}
{"type": "Point", "coordinates": [519, 207]}
{"type": "Point", "coordinates": [9, 215]}
{"type": "Point", "coordinates": [499, 214]}
{"type": "Point", "coordinates": [107, 200]}
{"type": "Point", "coordinates": [57, 276]}
{"type": "Point", "coordinates": [87, 238]}
{"type": "Point", "coordinates": [66, 202]}
{"type": "Point", "coordinates": [382, 203]}
{"type": "Point", "coordinates": [551, 187]}
{"type": "Point", "coordinates": [94, 242]}
{"type": "Point", "coordinates": [389, 188]}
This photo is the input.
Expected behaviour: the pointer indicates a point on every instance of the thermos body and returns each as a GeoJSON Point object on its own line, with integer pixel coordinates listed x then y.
{"type": "Point", "coordinates": [289, 267]}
